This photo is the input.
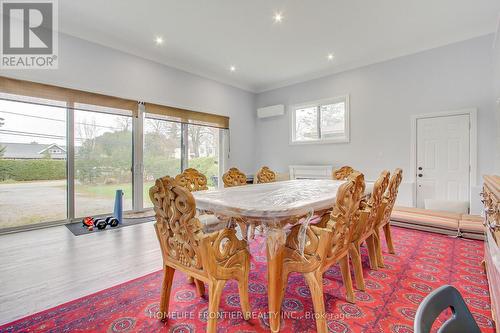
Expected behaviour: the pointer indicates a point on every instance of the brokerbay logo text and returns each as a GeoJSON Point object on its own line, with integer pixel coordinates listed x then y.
{"type": "Point", "coordinates": [29, 34]}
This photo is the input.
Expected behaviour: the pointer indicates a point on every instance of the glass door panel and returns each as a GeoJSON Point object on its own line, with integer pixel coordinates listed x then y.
{"type": "Point", "coordinates": [203, 151]}
{"type": "Point", "coordinates": [32, 161]}
{"type": "Point", "coordinates": [162, 152]}
{"type": "Point", "coordinates": [103, 160]}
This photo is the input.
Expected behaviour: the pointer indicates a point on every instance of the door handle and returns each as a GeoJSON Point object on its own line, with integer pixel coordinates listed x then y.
{"type": "Point", "coordinates": [420, 175]}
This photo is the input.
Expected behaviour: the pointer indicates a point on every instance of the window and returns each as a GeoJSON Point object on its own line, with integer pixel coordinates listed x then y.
{"type": "Point", "coordinates": [325, 121]}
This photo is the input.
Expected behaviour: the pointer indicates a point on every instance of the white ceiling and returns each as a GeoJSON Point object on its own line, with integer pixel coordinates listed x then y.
{"type": "Point", "coordinates": [206, 37]}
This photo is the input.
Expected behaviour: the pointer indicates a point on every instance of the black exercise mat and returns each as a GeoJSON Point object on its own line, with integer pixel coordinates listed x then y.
{"type": "Point", "coordinates": [78, 229]}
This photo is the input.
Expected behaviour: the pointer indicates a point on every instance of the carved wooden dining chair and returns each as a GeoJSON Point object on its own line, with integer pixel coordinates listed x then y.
{"type": "Point", "coordinates": [384, 219]}
{"type": "Point", "coordinates": [265, 175]}
{"type": "Point", "coordinates": [192, 179]}
{"type": "Point", "coordinates": [342, 173]}
{"type": "Point", "coordinates": [364, 228]}
{"type": "Point", "coordinates": [213, 258]}
{"type": "Point", "coordinates": [234, 177]}
{"type": "Point", "coordinates": [326, 243]}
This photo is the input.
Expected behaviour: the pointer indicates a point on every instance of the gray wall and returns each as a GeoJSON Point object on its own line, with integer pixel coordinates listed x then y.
{"type": "Point", "coordinates": [91, 67]}
{"type": "Point", "coordinates": [496, 63]}
{"type": "Point", "coordinates": [383, 98]}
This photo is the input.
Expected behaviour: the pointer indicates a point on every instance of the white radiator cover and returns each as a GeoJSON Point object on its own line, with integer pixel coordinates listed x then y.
{"type": "Point", "coordinates": [405, 193]}
{"type": "Point", "coordinates": [310, 171]}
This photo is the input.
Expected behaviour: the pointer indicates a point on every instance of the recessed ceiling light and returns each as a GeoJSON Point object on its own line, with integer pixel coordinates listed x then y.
{"type": "Point", "coordinates": [278, 17]}
{"type": "Point", "coordinates": [330, 56]}
{"type": "Point", "coordinates": [232, 68]}
{"type": "Point", "coordinates": [158, 40]}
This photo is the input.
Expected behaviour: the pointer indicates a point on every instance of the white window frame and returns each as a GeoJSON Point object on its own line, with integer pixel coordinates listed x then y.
{"type": "Point", "coordinates": [341, 139]}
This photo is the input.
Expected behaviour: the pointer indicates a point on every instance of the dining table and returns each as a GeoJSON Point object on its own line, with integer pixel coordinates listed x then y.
{"type": "Point", "coordinates": [274, 208]}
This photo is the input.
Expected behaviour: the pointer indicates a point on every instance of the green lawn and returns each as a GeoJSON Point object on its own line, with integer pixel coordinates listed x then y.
{"type": "Point", "coordinates": [108, 191]}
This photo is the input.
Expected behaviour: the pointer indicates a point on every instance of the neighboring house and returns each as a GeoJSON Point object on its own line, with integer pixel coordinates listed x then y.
{"type": "Point", "coordinates": [205, 149]}
{"type": "Point", "coordinates": [31, 151]}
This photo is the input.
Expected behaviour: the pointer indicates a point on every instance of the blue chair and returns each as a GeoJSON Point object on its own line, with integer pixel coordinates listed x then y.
{"type": "Point", "coordinates": [435, 303]}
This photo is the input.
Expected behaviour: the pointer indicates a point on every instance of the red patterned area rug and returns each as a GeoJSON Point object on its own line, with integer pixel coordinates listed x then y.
{"type": "Point", "coordinates": [423, 262]}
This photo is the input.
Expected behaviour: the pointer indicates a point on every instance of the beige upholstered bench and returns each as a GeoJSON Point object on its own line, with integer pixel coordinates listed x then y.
{"type": "Point", "coordinates": [447, 223]}
{"type": "Point", "coordinates": [422, 219]}
{"type": "Point", "coordinates": [471, 226]}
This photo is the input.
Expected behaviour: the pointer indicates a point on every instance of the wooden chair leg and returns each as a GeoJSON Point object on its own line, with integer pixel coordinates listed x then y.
{"type": "Point", "coordinates": [388, 238]}
{"type": "Point", "coordinates": [346, 278]}
{"type": "Point", "coordinates": [215, 291]}
{"type": "Point", "coordinates": [378, 248]}
{"type": "Point", "coordinates": [166, 287]}
{"type": "Point", "coordinates": [372, 254]}
{"type": "Point", "coordinates": [244, 299]}
{"type": "Point", "coordinates": [355, 254]}
{"type": "Point", "coordinates": [200, 287]}
{"type": "Point", "coordinates": [315, 282]}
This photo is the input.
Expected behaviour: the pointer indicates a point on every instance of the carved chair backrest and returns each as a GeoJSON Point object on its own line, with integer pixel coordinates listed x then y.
{"type": "Point", "coordinates": [234, 177]}
{"type": "Point", "coordinates": [266, 175]}
{"type": "Point", "coordinates": [192, 179]}
{"type": "Point", "coordinates": [345, 213]}
{"type": "Point", "coordinates": [342, 173]}
{"type": "Point", "coordinates": [179, 231]}
{"type": "Point", "coordinates": [391, 195]}
{"type": "Point", "coordinates": [375, 201]}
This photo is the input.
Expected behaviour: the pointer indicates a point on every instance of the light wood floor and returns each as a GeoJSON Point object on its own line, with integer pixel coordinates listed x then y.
{"type": "Point", "coordinates": [42, 268]}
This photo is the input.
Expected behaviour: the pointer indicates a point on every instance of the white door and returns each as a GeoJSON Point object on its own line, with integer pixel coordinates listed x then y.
{"type": "Point", "coordinates": [443, 159]}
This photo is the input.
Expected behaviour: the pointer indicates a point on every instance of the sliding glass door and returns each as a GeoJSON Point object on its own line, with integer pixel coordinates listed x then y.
{"type": "Point", "coordinates": [103, 159]}
{"type": "Point", "coordinates": [32, 161]}
{"type": "Point", "coordinates": [63, 158]}
{"type": "Point", "coordinates": [169, 146]}
{"type": "Point", "coordinates": [203, 151]}
{"type": "Point", "coordinates": [162, 151]}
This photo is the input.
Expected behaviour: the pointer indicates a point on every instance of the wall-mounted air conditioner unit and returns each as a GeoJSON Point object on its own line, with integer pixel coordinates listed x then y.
{"type": "Point", "coordinates": [271, 111]}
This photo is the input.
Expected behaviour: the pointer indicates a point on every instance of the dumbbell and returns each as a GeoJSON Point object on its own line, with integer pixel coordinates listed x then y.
{"type": "Point", "coordinates": [112, 221]}
{"type": "Point", "coordinates": [100, 224]}
{"type": "Point", "coordinates": [88, 222]}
